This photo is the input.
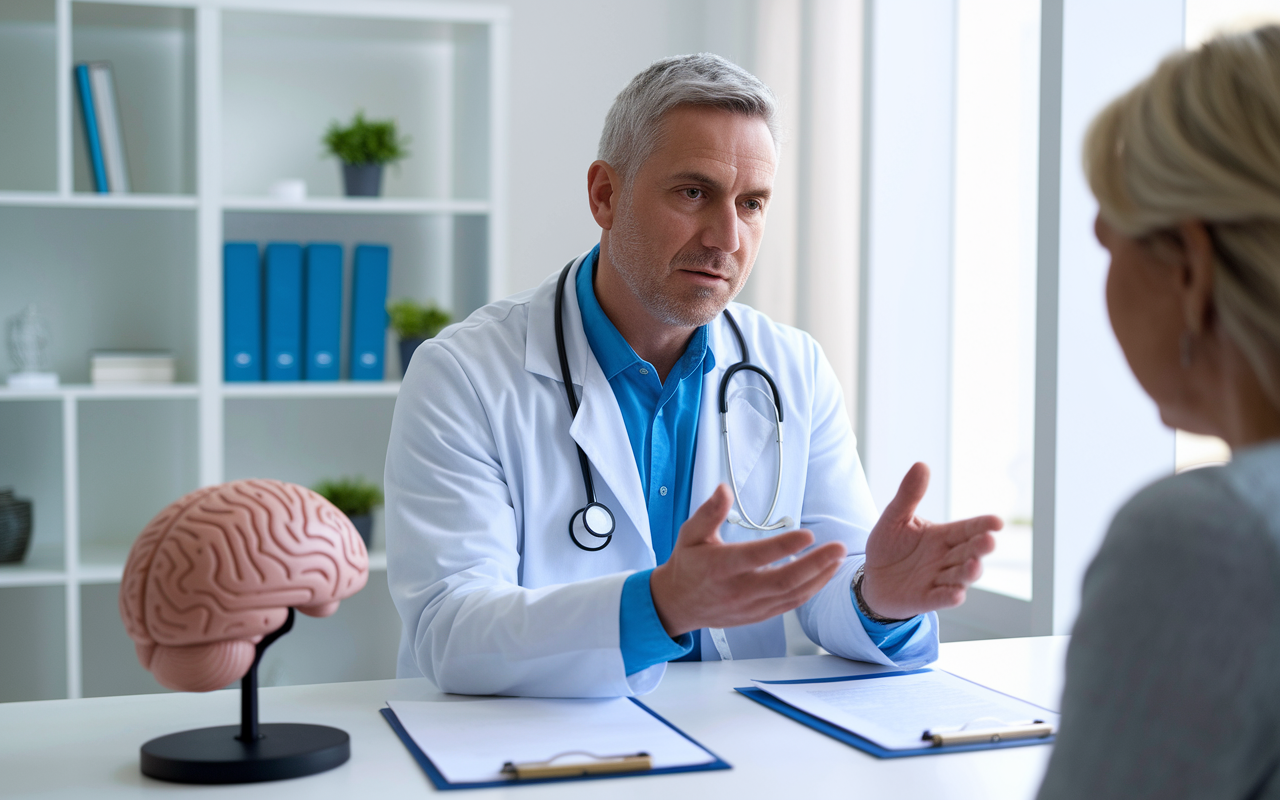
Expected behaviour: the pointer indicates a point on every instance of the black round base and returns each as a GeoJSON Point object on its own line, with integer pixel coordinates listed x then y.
{"type": "Point", "coordinates": [215, 755]}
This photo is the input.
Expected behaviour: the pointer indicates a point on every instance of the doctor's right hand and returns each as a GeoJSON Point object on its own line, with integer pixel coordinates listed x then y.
{"type": "Point", "coordinates": [708, 583]}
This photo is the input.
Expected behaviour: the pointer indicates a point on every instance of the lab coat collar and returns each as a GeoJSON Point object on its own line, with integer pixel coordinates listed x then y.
{"type": "Point", "coordinates": [598, 428]}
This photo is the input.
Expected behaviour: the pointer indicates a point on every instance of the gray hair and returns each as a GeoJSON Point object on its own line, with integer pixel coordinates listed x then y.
{"type": "Point", "coordinates": [633, 127]}
{"type": "Point", "coordinates": [1200, 139]}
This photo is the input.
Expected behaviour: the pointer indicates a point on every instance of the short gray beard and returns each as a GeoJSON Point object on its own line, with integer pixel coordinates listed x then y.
{"type": "Point", "coordinates": [628, 252]}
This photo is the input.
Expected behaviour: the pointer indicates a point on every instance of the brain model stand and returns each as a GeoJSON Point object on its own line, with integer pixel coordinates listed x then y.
{"type": "Point", "coordinates": [210, 583]}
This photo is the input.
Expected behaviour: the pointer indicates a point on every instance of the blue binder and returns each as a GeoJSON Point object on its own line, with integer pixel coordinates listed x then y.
{"type": "Point", "coordinates": [442, 783]}
{"type": "Point", "coordinates": [283, 306]}
{"type": "Point", "coordinates": [323, 314]}
{"type": "Point", "coordinates": [91, 129]}
{"type": "Point", "coordinates": [369, 311]}
{"type": "Point", "coordinates": [866, 745]}
{"type": "Point", "coordinates": [242, 312]}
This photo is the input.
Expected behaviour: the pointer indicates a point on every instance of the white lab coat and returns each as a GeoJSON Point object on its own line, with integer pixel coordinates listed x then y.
{"type": "Point", "coordinates": [482, 478]}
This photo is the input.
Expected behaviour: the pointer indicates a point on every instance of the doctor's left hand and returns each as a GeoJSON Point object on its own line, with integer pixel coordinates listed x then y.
{"type": "Point", "coordinates": [914, 565]}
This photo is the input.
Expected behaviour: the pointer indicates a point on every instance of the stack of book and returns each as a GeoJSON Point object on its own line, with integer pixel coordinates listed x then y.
{"type": "Point", "coordinates": [101, 115]}
{"type": "Point", "coordinates": [282, 311]}
{"type": "Point", "coordinates": [116, 367]}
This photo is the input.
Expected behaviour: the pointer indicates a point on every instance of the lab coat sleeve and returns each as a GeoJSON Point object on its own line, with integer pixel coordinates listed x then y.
{"type": "Point", "coordinates": [453, 560]}
{"type": "Point", "coordinates": [838, 507]}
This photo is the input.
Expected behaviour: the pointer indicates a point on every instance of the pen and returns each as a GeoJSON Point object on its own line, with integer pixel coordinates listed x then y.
{"type": "Point", "coordinates": [1033, 729]}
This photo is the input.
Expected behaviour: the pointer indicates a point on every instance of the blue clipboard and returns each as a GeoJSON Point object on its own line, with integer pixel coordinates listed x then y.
{"type": "Point", "coordinates": [866, 745]}
{"type": "Point", "coordinates": [442, 784]}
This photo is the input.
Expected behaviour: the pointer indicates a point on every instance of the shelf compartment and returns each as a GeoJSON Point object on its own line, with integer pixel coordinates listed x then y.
{"type": "Point", "coordinates": [125, 280]}
{"type": "Point", "coordinates": [34, 619]}
{"type": "Point", "coordinates": [287, 76]}
{"type": "Point", "coordinates": [31, 463]}
{"type": "Point", "coordinates": [152, 55]}
{"type": "Point", "coordinates": [28, 95]}
{"type": "Point", "coordinates": [440, 257]}
{"type": "Point", "coordinates": [135, 459]}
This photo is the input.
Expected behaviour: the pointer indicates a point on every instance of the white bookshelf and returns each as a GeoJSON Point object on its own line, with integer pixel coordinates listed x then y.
{"type": "Point", "coordinates": [219, 99]}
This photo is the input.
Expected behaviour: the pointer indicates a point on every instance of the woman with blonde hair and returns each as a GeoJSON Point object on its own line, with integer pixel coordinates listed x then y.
{"type": "Point", "coordinates": [1173, 675]}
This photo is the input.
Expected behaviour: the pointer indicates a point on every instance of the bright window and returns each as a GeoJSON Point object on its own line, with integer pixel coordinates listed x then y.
{"type": "Point", "coordinates": [994, 290]}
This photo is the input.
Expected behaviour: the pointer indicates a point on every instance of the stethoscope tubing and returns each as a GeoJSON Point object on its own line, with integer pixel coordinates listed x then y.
{"type": "Point", "coordinates": [743, 365]}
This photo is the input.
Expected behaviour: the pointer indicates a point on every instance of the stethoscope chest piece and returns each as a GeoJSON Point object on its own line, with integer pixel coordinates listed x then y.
{"type": "Point", "coordinates": [596, 521]}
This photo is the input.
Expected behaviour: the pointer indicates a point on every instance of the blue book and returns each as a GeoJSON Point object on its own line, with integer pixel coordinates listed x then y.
{"type": "Point", "coordinates": [91, 129]}
{"type": "Point", "coordinates": [369, 311]}
{"type": "Point", "coordinates": [323, 315]}
{"type": "Point", "coordinates": [242, 312]}
{"type": "Point", "coordinates": [283, 307]}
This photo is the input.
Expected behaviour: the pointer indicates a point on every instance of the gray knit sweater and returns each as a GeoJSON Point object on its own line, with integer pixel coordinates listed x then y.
{"type": "Point", "coordinates": [1173, 674]}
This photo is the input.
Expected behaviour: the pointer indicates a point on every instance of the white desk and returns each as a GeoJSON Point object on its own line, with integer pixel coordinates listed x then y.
{"type": "Point", "coordinates": [89, 748]}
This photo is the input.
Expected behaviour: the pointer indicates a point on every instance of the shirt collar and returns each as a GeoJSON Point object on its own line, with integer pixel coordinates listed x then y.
{"type": "Point", "coordinates": [612, 351]}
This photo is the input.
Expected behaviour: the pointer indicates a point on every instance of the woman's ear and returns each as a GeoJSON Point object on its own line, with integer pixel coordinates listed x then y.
{"type": "Point", "coordinates": [1196, 275]}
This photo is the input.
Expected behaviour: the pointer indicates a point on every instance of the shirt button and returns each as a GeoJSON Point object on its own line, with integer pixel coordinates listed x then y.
{"type": "Point", "coordinates": [644, 371]}
{"type": "Point", "coordinates": [662, 490]}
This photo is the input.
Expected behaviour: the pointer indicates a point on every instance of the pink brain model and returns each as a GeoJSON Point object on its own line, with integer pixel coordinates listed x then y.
{"type": "Point", "coordinates": [218, 569]}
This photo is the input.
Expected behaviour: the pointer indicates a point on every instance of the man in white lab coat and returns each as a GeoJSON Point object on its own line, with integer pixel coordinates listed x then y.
{"type": "Point", "coordinates": [503, 586]}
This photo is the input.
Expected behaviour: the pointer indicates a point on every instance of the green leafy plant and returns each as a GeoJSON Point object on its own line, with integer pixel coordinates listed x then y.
{"type": "Point", "coordinates": [352, 496]}
{"type": "Point", "coordinates": [412, 320]}
{"type": "Point", "coordinates": [366, 142]}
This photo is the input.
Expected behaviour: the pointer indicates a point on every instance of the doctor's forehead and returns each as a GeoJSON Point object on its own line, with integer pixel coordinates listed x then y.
{"type": "Point", "coordinates": [703, 140]}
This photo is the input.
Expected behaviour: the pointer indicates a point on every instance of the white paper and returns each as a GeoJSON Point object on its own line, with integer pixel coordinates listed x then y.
{"type": "Point", "coordinates": [469, 740]}
{"type": "Point", "coordinates": [896, 710]}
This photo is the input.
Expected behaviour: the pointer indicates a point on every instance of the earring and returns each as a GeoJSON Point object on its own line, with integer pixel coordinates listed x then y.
{"type": "Point", "coordinates": [1185, 344]}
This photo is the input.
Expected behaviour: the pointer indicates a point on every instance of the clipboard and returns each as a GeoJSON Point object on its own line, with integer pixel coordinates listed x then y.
{"type": "Point", "coordinates": [443, 784]}
{"type": "Point", "coordinates": [866, 745]}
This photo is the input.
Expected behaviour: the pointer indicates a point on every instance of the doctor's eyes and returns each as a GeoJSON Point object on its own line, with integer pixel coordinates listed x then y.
{"type": "Point", "coordinates": [752, 204]}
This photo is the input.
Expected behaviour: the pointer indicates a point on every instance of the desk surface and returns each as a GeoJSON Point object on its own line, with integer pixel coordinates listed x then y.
{"type": "Point", "coordinates": [89, 748]}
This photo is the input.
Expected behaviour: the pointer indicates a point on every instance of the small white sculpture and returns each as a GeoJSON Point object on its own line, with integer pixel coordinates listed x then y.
{"type": "Point", "coordinates": [29, 351]}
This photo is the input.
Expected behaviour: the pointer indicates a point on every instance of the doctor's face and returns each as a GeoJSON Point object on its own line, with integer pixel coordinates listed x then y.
{"type": "Point", "coordinates": [689, 224]}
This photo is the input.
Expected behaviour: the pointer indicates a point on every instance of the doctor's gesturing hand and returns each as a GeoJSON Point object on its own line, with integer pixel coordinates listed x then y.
{"type": "Point", "coordinates": [913, 565]}
{"type": "Point", "coordinates": [708, 583]}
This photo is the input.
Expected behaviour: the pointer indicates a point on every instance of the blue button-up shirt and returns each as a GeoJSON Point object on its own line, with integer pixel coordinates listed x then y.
{"type": "Point", "coordinates": [662, 425]}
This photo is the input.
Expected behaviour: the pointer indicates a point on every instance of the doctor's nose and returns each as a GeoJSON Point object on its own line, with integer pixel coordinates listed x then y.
{"type": "Point", "coordinates": [720, 231]}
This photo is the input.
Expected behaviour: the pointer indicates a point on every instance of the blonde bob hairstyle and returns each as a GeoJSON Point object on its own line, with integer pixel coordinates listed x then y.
{"type": "Point", "coordinates": [1200, 140]}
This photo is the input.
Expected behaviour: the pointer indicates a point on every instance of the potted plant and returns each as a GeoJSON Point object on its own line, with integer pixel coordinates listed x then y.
{"type": "Point", "coordinates": [355, 497]}
{"type": "Point", "coordinates": [364, 147]}
{"type": "Point", "coordinates": [414, 323]}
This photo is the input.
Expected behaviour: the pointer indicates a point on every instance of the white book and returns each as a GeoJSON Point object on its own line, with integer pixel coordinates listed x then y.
{"type": "Point", "coordinates": [108, 114]}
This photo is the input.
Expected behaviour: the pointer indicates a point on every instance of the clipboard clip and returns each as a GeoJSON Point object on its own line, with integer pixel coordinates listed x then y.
{"type": "Point", "coordinates": [635, 762]}
{"type": "Point", "coordinates": [991, 732]}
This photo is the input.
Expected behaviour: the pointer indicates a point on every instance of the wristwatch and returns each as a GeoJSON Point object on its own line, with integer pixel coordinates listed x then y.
{"type": "Point", "coordinates": [862, 604]}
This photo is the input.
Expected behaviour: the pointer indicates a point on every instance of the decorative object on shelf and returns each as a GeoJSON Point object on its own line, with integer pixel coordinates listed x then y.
{"type": "Point", "coordinates": [255, 551]}
{"type": "Point", "coordinates": [126, 367]}
{"type": "Point", "coordinates": [355, 497]}
{"type": "Point", "coordinates": [101, 115]}
{"type": "Point", "coordinates": [364, 148]}
{"type": "Point", "coordinates": [291, 190]}
{"type": "Point", "coordinates": [369, 311]}
{"type": "Point", "coordinates": [322, 265]}
{"type": "Point", "coordinates": [15, 527]}
{"type": "Point", "coordinates": [415, 323]}
{"type": "Point", "coordinates": [241, 312]}
{"type": "Point", "coordinates": [29, 351]}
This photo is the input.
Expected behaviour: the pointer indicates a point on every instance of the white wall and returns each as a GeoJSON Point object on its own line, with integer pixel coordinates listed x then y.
{"type": "Point", "coordinates": [569, 59]}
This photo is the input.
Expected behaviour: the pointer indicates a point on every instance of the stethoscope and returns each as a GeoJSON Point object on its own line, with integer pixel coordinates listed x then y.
{"type": "Point", "coordinates": [595, 518]}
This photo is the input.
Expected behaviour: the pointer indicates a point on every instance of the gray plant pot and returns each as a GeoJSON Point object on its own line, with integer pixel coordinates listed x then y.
{"type": "Point", "coordinates": [362, 180]}
{"type": "Point", "coordinates": [15, 527]}
{"type": "Point", "coordinates": [407, 346]}
{"type": "Point", "coordinates": [364, 527]}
